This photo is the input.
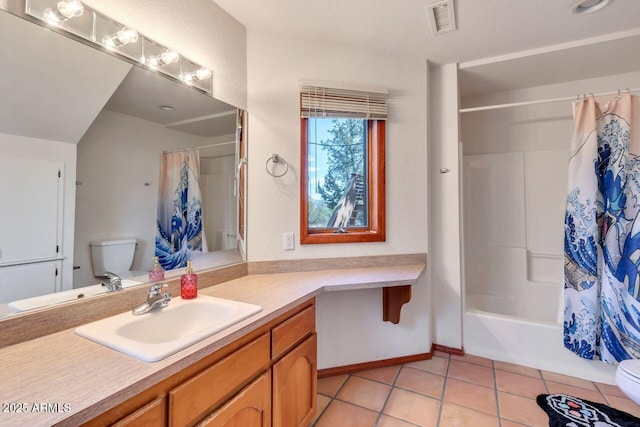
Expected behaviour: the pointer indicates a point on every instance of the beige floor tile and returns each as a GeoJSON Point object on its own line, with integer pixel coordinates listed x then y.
{"type": "Point", "coordinates": [592, 395]}
{"type": "Point", "coordinates": [459, 416]}
{"type": "Point", "coordinates": [436, 365]}
{"type": "Point", "coordinates": [521, 385]}
{"type": "Point", "coordinates": [564, 379]}
{"type": "Point", "coordinates": [329, 386]}
{"type": "Point", "coordinates": [477, 360]}
{"type": "Point", "coordinates": [471, 395]}
{"type": "Point", "coordinates": [517, 369]}
{"type": "Point", "coordinates": [473, 373]}
{"type": "Point", "coordinates": [421, 382]}
{"type": "Point", "coordinates": [385, 375]}
{"type": "Point", "coordinates": [323, 402]}
{"type": "Point", "coordinates": [610, 390]}
{"type": "Point", "coordinates": [345, 415]}
{"type": "Point", "coordinates": [522, 410]}
{"type": "Point", "coordinates": [625, 405]}
{"type": "Point", "coordinates": [364, 392]}
{"type": "Point", "coordinates": [387, 421]}
{"type": "Point", "coordinates": [412, 407]}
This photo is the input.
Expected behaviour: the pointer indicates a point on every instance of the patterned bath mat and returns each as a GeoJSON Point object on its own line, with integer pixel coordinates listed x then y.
{"type": "Point", "coordinates": [569, 411]}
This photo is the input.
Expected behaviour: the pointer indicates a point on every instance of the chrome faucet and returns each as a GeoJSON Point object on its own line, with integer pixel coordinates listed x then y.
{"type": "Point", "coordinates": [155, 299]}
{"type": "Point", "coordinates": [114, 283]}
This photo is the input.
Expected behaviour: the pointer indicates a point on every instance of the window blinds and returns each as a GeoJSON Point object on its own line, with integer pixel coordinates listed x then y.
{"type": "Point", "coordinates": [336, 100]}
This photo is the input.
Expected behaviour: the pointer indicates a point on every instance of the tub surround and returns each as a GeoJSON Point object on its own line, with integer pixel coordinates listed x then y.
{"type": "Point", "coordinates": [67, 369]}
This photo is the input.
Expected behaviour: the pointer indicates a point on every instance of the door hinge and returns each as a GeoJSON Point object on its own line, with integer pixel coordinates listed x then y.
{"type": "Point", "coordinates": [57, 248]}
{"type": "Point", "coordinates": [59, 173]}
{"type": "Point", "coordinates": [56, 271]}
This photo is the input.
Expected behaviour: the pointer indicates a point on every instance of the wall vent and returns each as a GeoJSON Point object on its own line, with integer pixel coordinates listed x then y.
{"type": "Point", "coordinates": [442, 16]}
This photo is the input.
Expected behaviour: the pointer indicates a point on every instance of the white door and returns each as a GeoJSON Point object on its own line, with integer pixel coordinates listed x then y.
{"type": "Point", "coordinates": [30, 210]}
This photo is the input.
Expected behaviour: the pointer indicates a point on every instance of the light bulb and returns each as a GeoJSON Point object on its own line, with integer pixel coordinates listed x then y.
{"type": "Point", "coordinates": [166, 57]}
{"type": "Point", "coordinates": [124, 36]}
{"type": "Point", "coordinates": [64, 10]}
{"type": "Point", "coordinates": [201, 74]}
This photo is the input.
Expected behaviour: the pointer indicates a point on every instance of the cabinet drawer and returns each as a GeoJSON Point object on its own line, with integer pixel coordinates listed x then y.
{"type": "Point", "coordinates": [202, 393]}
{"type": "Point", "coordinates": [249, 408]}
{"type": "Point", "coordinates": [290, 332]}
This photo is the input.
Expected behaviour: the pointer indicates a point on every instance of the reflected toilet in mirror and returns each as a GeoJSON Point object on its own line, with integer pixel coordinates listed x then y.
{"type": "Point", "coordinates": [114, 256]}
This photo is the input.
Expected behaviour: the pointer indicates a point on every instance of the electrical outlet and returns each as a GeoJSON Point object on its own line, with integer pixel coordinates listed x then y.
{"type": "Point", "coordinates": [288, 242]}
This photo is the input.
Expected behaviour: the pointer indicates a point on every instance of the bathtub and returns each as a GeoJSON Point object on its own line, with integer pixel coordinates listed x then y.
{"type": "Point", "coordinates": [537, 343]}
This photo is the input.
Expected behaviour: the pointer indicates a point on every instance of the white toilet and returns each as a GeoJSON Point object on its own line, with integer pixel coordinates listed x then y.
{"type": "Point", "coordinates": [628, 378]}
{"type": "Point", "coordinates": [115, 256]}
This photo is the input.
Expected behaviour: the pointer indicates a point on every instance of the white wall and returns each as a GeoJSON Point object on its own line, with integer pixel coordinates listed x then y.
{"type": "Point", "coordinates": [117, 156]}
{"type": "Point", "coordinates": [64, 153]}
{"type": "Point", "coordinates": [198, 29]}
{"type": "Point", "coordinates": [444, 207]}
{"type": "Point", "coordinates": [350, 327]}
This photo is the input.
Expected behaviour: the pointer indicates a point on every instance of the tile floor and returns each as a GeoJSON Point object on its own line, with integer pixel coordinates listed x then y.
{"type": "Point", "coordinates": [448, 391]}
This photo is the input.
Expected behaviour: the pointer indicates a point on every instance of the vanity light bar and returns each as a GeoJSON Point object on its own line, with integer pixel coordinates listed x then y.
{"type": "Point", "coordinates": [93, 25]}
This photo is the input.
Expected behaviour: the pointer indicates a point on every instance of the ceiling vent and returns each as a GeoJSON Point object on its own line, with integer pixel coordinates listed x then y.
{"type": "Point", "coordinates": [442, 16]}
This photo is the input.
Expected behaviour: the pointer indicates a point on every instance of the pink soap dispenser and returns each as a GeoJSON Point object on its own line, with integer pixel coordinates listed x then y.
{"type": "Point", "coordinates": [189, 283]}
{"type": "Point", "coordinates": [157, 272]}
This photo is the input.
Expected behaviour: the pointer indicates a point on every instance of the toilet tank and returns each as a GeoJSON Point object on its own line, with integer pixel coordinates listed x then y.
{"type": "Point", "coordinates": [114, 255]}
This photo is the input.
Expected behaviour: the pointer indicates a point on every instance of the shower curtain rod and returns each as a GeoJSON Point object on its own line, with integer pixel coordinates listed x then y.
{"type": "Point", "coordinates": [542, 101]}
{"type": "Point", "coordinates": [202, 147]}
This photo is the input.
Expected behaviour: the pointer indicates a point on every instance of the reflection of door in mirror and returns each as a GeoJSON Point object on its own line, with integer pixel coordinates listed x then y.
{"type": "Point", "coordinates": [104, 124]}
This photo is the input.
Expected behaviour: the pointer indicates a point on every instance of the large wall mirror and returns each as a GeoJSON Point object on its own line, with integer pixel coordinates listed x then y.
{"type": "Point", "coordinates": [82, 138]}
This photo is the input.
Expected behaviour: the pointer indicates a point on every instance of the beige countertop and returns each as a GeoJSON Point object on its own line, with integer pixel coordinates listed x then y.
{"type": "Point", "coordinates": [85, 379]}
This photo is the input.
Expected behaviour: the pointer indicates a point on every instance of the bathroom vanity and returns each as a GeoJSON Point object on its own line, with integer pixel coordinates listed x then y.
{"type": "Point", "coordinates": [260, 371]}
{"type": "Point", "coordinates": [233, 386]}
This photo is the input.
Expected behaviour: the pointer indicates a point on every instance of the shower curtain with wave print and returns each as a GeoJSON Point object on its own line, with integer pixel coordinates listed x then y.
{"type": "Point", "coordinates": [179, 231]}
{"type": "Point", "coordinates": [602, 232]}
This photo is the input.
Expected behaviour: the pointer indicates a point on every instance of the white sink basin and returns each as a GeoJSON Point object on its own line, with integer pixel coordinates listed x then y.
{"type": "Point", "coordinates": [64, 296]}
{"type": "Point", "coordinates": [155, 335]}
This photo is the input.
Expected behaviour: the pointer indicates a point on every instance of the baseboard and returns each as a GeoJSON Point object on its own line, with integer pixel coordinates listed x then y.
{"type": "Point", "coordinates": [448, 350]}
{"type": "Point", "coordinates": [350, 369]}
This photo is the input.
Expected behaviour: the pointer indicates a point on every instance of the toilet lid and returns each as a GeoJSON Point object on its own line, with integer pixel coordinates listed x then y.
{"type": "Point", "coordinates": [630, 368]}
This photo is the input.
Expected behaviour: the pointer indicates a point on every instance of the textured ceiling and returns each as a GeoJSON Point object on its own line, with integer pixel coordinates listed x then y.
{"type": "Point", "coordinates": [485, 27]}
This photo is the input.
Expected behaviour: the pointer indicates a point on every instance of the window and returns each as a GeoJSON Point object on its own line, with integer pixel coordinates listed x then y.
{"type": "Point", "coordinates": [342, 165]}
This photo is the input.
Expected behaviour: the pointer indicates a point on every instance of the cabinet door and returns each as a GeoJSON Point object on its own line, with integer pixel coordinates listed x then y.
{"type": "Point", "coordinates": [249, 408]}
{"type": "Point", "coordinates": [30, 191]}
{"type": "Point", "coordinates": [22, 281]}
{"type": "Point", "coordinates": [294, 386]}
{"type": "Point", "coordinates": [152, 414]}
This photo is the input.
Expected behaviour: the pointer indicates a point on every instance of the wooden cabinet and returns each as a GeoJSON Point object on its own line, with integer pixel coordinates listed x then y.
{"type": "Point", "coordinates": [295, 386]}
{"type": "Point", "coordinates": [265, 378]}
{"type": "Point", "coordinates": [249, 408]}
{"type": "Point", "coordinates": [152, 414]}
{"type": "Point", "coordinates": [197, 396]}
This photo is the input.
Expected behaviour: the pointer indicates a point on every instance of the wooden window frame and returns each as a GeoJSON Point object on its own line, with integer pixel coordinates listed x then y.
{"type": "Point", "coordinates": [376, 229]}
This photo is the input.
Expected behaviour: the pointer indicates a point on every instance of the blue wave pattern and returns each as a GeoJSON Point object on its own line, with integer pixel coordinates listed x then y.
{"type": "Point", "coordinates": [602, 246]}
{"type": "Point", "coordinates": [179, 238]}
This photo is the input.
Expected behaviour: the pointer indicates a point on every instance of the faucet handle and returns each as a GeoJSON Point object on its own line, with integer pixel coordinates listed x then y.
{"type": "Point", "coordinates": [165, 299]}
{"type": "Point", "coordinates": [155, 289]}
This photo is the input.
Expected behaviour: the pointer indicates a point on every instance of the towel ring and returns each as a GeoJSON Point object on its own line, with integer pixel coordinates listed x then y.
{"type": "Point", "coordinates": [276, 159]}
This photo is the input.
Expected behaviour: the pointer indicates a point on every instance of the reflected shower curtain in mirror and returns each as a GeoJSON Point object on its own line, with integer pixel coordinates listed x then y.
{"type": "Point", "coordinates": [602, 231]}
{"type": "Point", "coordinates": [180, 231]}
